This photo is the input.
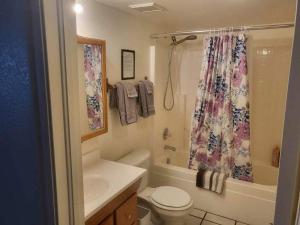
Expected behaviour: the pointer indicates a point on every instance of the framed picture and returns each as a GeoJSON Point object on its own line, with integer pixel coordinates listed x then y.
{"type": "Point", "coordinates": [128, 64]}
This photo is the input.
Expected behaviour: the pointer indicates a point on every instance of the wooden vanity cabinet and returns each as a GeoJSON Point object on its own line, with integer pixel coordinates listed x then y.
{"type": "Point", "coordinates": [122, 210]}
{"type": "Point", "coordinates": [108, 221]}
{"type": "Point", "coordinates": [126, 214]}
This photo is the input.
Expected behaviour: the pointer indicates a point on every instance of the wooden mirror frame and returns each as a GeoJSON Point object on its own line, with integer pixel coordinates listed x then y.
{"type": "Point", "coordinates": [102, 43]}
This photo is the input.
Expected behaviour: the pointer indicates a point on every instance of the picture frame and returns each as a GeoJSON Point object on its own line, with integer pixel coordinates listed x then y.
{"type": "Point", "coordinates": [86, 133]}
{"type": "Point", "coordinates": [127, 64]}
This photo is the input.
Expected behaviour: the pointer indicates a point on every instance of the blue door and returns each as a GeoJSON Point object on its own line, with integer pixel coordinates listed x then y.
{"type": "Point", "coordinates": [27, 194]}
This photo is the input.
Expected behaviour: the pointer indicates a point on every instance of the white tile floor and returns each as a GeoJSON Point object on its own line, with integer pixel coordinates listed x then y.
{"type": "Point", "coordinates": [200, 217]}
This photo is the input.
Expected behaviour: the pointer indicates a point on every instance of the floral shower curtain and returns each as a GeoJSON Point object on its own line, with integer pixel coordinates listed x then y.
{"type": "Point", "coordinates": [220, 136]}
{"type": "Point", "coordinates": [93, 85]}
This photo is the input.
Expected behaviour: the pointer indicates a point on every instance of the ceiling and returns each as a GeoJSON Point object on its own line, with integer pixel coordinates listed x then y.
{"type": "Point", "coordinates": [191, 14]}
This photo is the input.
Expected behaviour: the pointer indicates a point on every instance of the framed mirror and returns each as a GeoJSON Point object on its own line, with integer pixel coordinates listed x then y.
{"type": "Point", "coordinates": [92, 87]}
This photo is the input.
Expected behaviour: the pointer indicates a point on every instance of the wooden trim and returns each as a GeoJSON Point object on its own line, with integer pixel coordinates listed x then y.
{"type": "Point", "coordinates": [113, 205]}
{"type": "Point", "coordinates": [92, 41]}
{"type": "Point", "coordinates": [102, 43]}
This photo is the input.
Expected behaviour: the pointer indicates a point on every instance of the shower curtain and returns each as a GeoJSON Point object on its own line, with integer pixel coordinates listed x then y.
{"type": "Point", "coordinates": [220, 136]}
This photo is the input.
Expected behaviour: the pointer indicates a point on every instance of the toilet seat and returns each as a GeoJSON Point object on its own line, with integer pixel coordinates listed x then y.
{"type": "Point", "coordinates": [171, 198]}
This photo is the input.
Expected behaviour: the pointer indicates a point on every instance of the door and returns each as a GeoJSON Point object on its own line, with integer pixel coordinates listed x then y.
{"type": "Point", "coordinates": [289, 173]}
{"type": "Point", "coordinates": [27, 191]}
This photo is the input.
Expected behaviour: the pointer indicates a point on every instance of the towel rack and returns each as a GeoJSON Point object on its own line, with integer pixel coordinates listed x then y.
{"type": "Point", "coordinates": [112, 86]}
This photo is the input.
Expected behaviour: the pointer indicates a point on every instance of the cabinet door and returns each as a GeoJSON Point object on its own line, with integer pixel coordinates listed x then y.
{"type": "Point", "coordinates": [126, 214]}
{"type": "Point", "coordinates": [108, 221]}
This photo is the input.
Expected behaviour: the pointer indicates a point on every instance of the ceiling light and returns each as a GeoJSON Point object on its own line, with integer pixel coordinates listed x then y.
{"type": "Point", "coordinates": [147, 7]}
{"type": "Point", "coordinates": [78, 8]}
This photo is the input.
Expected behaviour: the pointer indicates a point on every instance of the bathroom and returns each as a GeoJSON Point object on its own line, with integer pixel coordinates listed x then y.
{"type": "Point", "coordinates": [142, 162]}
{"type": "Point", "coordinates": [166, 135]}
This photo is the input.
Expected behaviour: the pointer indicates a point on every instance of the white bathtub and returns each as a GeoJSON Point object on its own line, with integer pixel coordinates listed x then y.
{"type": "Point", "coordinates": [250, 203]}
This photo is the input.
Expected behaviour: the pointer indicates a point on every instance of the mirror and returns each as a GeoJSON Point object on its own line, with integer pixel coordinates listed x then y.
{"type": "Point", "coordinates": [92, 87]}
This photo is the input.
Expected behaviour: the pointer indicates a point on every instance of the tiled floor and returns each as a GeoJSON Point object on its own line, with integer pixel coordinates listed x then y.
{"type": "Point", "coordinates": [200, 217]}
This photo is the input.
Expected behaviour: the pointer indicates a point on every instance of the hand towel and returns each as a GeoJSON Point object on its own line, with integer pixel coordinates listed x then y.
{"type": "Point", "coordinates": [121, 103]}
{"type": "Point", "coordinates": [149, 96]}
{"type": "Point", "coordinates": [146, 98]}
{"type": "Point", "coordinates": [211, 180]}
{"type": "Point", "coordinates": [142, 100]}
{"type": "Point", "coordinates": [130, 99]}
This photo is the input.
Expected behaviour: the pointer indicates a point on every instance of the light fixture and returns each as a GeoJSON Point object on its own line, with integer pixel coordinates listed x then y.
{"type": "Point", "coordinates": [78, 8]}
{"type": "Point", "coordinates": [147, 7]}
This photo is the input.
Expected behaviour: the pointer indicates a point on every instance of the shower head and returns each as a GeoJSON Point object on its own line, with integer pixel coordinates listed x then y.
{"type": "Point", "coordinates": [188, 38]}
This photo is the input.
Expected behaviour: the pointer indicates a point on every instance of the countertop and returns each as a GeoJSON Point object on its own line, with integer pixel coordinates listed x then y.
{"type": "Point", "coordinates": [104, 180]}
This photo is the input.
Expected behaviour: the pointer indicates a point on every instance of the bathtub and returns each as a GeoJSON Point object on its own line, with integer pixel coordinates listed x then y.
{"type": "Point", "coordinates": [251, 203]}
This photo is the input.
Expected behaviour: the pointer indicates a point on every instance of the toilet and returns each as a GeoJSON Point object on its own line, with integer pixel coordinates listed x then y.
{"type": "Point", "coordinates": [171, 203]}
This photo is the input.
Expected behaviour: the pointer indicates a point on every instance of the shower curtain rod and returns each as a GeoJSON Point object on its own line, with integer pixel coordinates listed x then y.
{"type": "Point", "coordinates": [233, 29]}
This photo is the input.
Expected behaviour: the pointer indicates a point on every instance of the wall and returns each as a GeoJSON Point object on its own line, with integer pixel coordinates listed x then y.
{"type": "Point", "coordinates": [121, 31]}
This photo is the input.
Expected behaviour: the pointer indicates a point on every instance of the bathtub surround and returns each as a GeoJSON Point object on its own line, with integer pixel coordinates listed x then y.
{"type": "Point", "coordinates": [268, 76]}
{"type": "Point", "coordinates": [220, 139]}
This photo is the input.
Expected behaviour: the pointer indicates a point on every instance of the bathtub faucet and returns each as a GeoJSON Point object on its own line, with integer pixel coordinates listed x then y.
{"type": "Point", "coordinates": [169, 147]}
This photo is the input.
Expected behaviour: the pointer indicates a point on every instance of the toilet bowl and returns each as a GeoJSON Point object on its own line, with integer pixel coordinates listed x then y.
{"type": "Point", "coordinates": [172, 204]}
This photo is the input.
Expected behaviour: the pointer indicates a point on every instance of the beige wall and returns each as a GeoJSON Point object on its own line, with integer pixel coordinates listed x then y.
{"type": "Point", "coordinates": [121, 31]}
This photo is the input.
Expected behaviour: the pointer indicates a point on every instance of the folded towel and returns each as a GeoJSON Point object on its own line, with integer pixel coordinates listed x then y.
{"type": "Point", "coordinates": [211, 180]}
{"type": "Point", "coordinates": [146, 98]}
{"type": "Point", "coordinates": [130, 99]}
{"type": "Point", "coordinates": [121, 103]}
{"type": "Point", "coordinates": [142, 100]}
{"type": "Point", "coordinates": [149, 96]}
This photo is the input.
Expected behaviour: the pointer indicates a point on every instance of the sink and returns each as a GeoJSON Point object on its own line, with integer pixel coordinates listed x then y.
{"type": "Point", "coordinates": [94, 187]}
{"type": "Point", "coordinates": [104, 180]}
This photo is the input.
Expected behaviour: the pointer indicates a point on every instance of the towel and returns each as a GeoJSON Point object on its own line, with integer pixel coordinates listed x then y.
{"type": "Point", "coordinates": [113, 98]}
{"type": "Point", "coordinates": [130, 99]}
{"type": "Point", "coordinates": [146, 98]}
{"type": "Point", "coordinates": [121, 102]}
{"type": "Point", "coordinates": [211, 180]}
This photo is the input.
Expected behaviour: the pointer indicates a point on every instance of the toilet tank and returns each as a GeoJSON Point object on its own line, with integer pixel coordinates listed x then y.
{"type": "Point", "coordinates": [139, 158]}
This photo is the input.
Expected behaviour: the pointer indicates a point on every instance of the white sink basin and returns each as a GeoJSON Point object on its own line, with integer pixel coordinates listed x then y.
{"type": "Point", "coordinates": [104, 180]}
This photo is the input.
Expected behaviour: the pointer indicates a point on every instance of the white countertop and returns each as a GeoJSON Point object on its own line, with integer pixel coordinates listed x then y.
{"type": "Point", "coordinates": [104, 180]}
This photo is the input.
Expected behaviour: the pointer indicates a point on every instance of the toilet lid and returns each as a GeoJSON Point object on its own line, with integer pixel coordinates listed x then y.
{"type": "Point", "coordinates": [171, 197]}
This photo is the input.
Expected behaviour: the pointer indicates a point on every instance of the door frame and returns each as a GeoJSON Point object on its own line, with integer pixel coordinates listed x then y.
{"type": "Point", "coordinates": [60, 32]}
{"type": "Point", "coordinates": [60, 25]}
{"type": "Point", "coordinates": [289, 172]}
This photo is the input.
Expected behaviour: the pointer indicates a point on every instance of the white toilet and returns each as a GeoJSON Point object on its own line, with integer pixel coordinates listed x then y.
{"type": "Point", "coordinates": [171, 203]}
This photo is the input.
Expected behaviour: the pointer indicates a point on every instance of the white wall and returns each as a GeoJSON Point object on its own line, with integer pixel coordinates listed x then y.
{"type": "Point", "coordinates": [121, 31]}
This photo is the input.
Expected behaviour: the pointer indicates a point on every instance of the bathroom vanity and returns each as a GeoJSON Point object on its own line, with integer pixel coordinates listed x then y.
{"type": "Point", "coordinates": [110, 193]}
